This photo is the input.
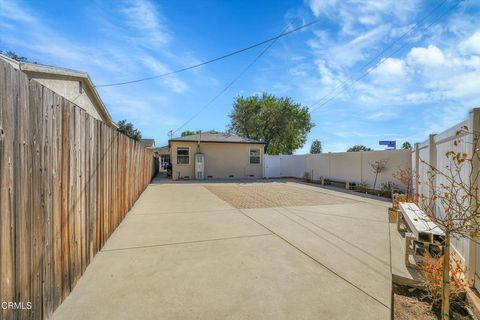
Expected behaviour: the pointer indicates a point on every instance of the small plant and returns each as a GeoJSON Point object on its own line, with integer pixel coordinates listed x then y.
{"type": "Point", "coordinates": [432, 272]}
{"type": "Point", "coordinates": [405, 177]}
{"type": "Point", "coordinates": [388, 186]}
{"type": "Point", "coordinates": [397, 198]}
{"type": "Point", "coordinates": [362, 186]}
{"type": "Point", "coordinates": [306, 176]}
{"type": "Point", "coordinates": [378, 167]}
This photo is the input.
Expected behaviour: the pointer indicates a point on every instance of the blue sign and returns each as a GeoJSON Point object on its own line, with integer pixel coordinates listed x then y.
{"type": "Point", "coordinates": [389, 144]}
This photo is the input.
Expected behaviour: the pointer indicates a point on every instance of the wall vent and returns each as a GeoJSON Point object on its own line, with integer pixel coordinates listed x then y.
{"type": "Point", "coordinates": [231, 176]}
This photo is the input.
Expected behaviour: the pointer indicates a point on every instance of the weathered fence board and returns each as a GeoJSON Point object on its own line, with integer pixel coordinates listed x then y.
{"type": "Point", "coordinates": [67, 180]}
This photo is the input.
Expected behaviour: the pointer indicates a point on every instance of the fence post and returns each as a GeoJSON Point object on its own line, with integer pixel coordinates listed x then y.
{"type": "Point", "coordinates": [361, 166]}
{"type": "Point", "coordinates": [432, 161]}
{"type": "Point", "coordinates": [329, 165]}
{"type": "Point", "coordinates": [416, 173]}
{"type": "Point", "coordinates": [472, 245]}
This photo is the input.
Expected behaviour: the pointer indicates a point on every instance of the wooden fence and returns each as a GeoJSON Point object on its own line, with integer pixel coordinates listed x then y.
{"type": "Point", "coordinates": [66, 182]}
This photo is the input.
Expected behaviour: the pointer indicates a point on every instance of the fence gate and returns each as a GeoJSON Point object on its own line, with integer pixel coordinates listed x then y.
{"type": "Point", "coordinates": [272, 166]}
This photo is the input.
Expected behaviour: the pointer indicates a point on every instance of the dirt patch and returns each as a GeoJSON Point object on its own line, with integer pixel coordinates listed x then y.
{"type": "Point", "coordinates": [412, 303]}
{"type": "Point", "coordinates": [267, 195]}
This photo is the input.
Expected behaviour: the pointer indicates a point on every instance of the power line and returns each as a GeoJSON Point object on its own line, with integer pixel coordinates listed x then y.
{"type": "Point", "coordinates": [415, 25]}
{"type": "Point", "coordinates": [281, 35]}
{"type": "Point", "coordinates": [344, 85]}
{"type": "Point", "coordinates": [348, 86]}
{"type": "Point", "coordinates": [228, 85]}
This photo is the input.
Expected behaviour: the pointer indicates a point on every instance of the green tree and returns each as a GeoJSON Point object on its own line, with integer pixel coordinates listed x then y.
{"type": "Point", "coordinates": [127, 129]}
{"type": "Point", "coordinates": [406, 145]}
{"type": "Point", "coordinates": [15, 56]}
{"type": "Point", "coordinates": [316, 147]}
{"type": "Point", "coordinates": [190, 132]}
{"type": "Point", "coordinates": [280, 122]}
{"type": "Point", "coordinates": [358, 147]}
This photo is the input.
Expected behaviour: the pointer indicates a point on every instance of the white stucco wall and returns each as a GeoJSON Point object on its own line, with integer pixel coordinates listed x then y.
{"type": "Point", "coordinates": [222, 160]}
{"type": "Point", "coordinates": [70, 89]}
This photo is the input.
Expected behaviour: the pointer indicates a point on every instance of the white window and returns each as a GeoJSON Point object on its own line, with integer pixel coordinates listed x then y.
{"type": "Point", "coordinates": [254, 156]}
{"type": "Point", "coordinates": [183, 155]}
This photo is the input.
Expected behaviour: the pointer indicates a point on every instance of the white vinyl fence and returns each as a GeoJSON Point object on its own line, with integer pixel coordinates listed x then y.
{"type": "Point", "coordinates": [432, 152]}
{"type": "Point", "coordinates": [343, 166]}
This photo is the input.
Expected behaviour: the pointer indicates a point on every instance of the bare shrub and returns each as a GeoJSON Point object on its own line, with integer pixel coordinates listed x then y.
{"type": "Point", "coordinates": [432, 272]}
{"type": "Point", "coordinates": [378, 167]}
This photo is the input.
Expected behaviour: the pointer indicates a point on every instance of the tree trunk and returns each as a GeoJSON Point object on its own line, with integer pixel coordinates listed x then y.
{"type": "Point", "coordinates": [446, 279]}
{"type": "Point", "coordinates": [375, 182]}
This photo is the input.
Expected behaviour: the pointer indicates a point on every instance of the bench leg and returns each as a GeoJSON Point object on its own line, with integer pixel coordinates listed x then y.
{"type": "Point", "coordinates": [410, 251]}
{"type": "Point", "coordinates": [400, 221]}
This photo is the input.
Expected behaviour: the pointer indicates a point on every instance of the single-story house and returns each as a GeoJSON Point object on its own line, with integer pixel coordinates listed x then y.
{"type": "Point", "coordinates": [73, 85]}
{"type": "Point", "coordinates": [148, 143]}
{"type": "Point", "coordinates": [213, 155]}
{"type": "Point", "coordinates": [163, 154]}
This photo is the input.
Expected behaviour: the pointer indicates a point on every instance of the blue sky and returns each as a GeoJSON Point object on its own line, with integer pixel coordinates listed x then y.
{"type": "Point", "coordinates": [427, 86]}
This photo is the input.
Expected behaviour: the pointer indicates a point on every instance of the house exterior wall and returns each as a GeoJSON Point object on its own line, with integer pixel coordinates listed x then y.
{"type": "Point", "coordinates": [69, 87]}
{"type": "Point", "coordinates": [221, 160]}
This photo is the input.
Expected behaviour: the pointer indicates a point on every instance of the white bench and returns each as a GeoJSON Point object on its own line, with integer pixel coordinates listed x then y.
{"type": "Point", "coordinates": [421, 233]}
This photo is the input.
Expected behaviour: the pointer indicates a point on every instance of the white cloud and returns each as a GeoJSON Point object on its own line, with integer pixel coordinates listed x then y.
{"type": "Point", "coordinates": [429, 56]}
{"type": "Point", "coordinates": [352, 13]}
{"type": "Point", "coordinates": [344, 53]}
{"type": "Point", "coordinates": [471, 45]}
{"type": "Point", "coordinates": [156, 67]}
{"type": "Point", "coordinates": [10, 10]}
{"type": "Point", "coordinates": [382, 115]}
{"type": "Point", "coordinates": [144, 16]}
{"type": "Point", "coordinates": [390, 67]}
{"type": "Point", "coordinates": [319, 7]}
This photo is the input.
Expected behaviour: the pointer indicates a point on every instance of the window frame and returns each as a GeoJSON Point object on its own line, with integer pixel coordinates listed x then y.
{"type": "Point", "coordinates": [189, 156]}
{"type": "Point", "coordinates": [259, 156]}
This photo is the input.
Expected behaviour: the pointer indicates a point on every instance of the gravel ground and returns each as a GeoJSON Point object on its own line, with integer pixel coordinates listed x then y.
{"type": "Point", "coordinates": [272, 195]}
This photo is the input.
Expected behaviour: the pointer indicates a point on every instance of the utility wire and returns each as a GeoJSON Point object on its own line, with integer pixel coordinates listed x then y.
{"type": "Point", "coordinates": [281, 35]}
{"type": "Point", "coordinates": [344, 85]}
{"type": "Point", "coordinates": [352, 83]}
{"type": "Point", "coordinates": [415, 25]}
{"type": "Point", "coordinates": [228, 86]}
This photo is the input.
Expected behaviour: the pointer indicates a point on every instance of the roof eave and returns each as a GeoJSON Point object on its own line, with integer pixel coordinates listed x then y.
{"type": "Point", "coordinates": [40, 68]}
{"type": "Point", "coordinates": [239, 142]}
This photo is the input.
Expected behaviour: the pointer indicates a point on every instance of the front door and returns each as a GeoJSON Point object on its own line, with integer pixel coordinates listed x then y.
{"type": "Point", "coordinates": [199, 166]}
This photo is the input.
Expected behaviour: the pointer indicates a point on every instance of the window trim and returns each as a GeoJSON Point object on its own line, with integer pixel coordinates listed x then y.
{"type": "Point", "coordinates": [189, 156]}
{"type": "Point", "coordinates": [259, 156]}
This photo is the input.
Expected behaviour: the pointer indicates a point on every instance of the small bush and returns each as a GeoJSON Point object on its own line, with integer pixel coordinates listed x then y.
{"type": "Point", "coordinates": [362, 186]}
{"type": "Point", "coordinates": [306, 176]}
{"type": "Point", "coordinates": [432, 272]}
{"type": "Point", "coordinates": [388, 186]}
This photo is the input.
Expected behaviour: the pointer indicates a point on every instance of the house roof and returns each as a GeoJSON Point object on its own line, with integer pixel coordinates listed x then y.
{"type": "Point", "coordinates": [217, 137]}
{"type": "Point", "coordinates": [41, 68]}
{"type": "Point", "coordinates": [162, 150]}
{"type": "Point", "coordinates": [148, 143]}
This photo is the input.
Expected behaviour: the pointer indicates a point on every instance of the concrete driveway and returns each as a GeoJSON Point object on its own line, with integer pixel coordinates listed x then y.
{"type": "Point", "coordinates": [264, 250]}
